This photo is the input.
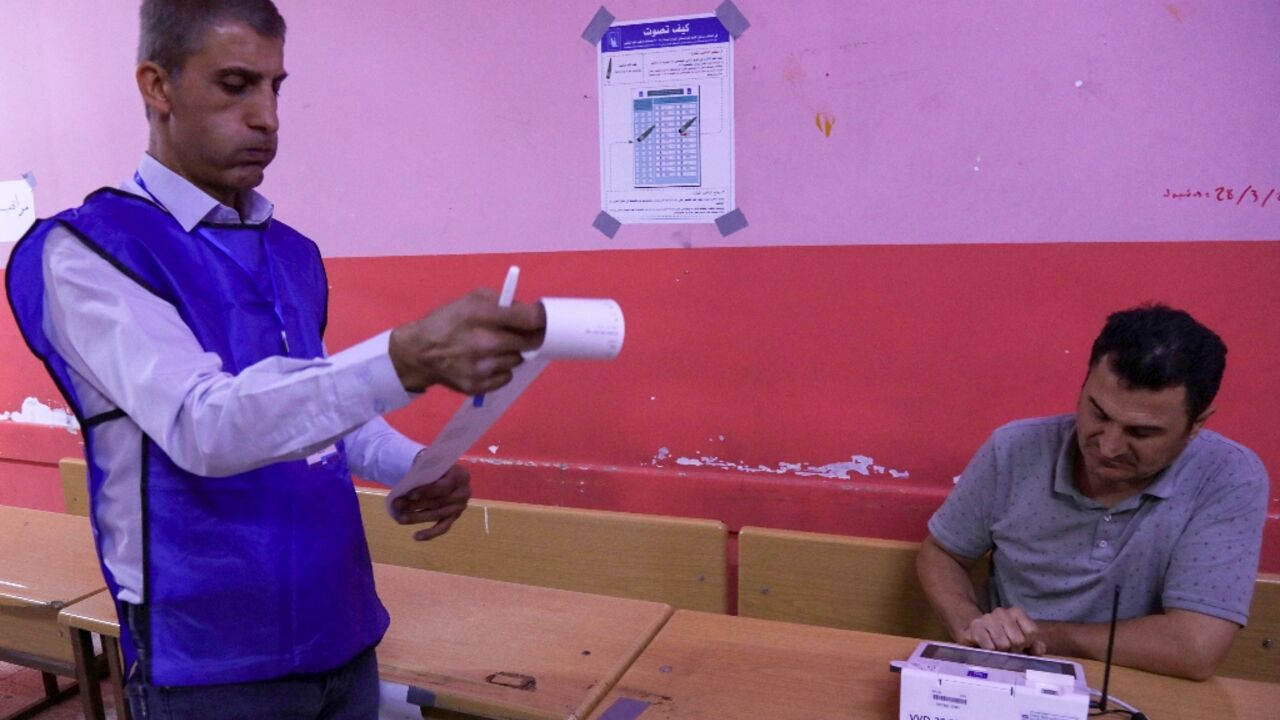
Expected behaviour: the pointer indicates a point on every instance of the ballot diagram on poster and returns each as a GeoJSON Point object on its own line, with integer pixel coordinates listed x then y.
{"type": "Point", "coordinates": [17, 209]}
{"type": "Point", "coordinates": [666, 120]}
{"type": "Point", "coordinates": [577, 329]}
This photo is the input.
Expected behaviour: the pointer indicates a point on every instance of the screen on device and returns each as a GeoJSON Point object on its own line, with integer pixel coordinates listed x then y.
{"type": "Point", "coordinates": [982, 658]}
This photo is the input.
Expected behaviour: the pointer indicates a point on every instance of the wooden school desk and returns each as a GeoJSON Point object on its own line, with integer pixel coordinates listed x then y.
{"type": "Point", "coordinates": [485, 648]}
{"type": "Point", "coordinates": [48, 562]}
{"type": "Point", "coordinates": [719, 667]}
{"type": "Point", "coordinates": [96, 614]}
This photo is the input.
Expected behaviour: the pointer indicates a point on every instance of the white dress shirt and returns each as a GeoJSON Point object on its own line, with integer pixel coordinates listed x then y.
{"type": "Point", "coordinates": [128, 349]}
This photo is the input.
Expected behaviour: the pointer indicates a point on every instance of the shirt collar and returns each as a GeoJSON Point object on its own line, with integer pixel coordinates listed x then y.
{"type": "Point", "coordinates": [190, 205]}
{"type": "Point", "coordinates": [1064, 482]}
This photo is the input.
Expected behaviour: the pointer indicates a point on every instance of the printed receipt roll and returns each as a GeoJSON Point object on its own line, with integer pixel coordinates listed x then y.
{"type": "Point", "coordinates": [577, 329]}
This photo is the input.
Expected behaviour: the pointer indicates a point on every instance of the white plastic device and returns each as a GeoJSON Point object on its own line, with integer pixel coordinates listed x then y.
{"type": "Point", "coordinates": [941, 681]}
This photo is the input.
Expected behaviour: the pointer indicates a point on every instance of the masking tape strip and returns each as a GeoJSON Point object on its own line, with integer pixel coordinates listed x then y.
{"type": "Point", "coordinates": [598, 26]}
{"type": "Point", "coordinates": [731, 222]}
{"type": "Point", "coordinates": [732, 19]}
{"type": "Point", "coordinates": [625, 709]}
{"type": "Point", "coordinates": [606, 224]}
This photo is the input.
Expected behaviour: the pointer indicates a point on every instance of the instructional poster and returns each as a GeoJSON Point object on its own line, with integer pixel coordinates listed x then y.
{"type": "Point", "coordinates": [666, 120]}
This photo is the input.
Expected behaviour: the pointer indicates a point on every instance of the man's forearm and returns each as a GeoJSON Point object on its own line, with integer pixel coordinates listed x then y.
{"type": "Point", "coordinates": [1181, 643]}
{"type": "Point", "coordinates": [947, 586]}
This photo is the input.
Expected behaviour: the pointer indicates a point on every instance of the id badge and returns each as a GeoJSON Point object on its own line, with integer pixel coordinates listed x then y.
{"type": "Point", "coordinates": [322, 456]}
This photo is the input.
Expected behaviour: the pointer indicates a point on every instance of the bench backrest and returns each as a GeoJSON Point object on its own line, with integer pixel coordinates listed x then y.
{"type": "Point", "coordinates": [678, 561]}
{"type": "Point", "coordinates": [75, 485]}
{"type": "Point", "coordinates": [834, 580]}
{"type": "Point", "coordinates": [857, 583]}
{"type": "Point", "coordinates": [869, 584]}
{"type": "Point", "coordinates": [1255, 654]}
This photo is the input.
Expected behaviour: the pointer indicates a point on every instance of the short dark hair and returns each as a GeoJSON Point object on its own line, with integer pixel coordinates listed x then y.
{"type": "Point", "coordinates": [1157, 347]}
{"type": "Point", "coordinates": [173, 30]}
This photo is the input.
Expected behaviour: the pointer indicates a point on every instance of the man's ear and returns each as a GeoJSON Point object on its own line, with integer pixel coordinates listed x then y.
{"type": "Point", "coordinates": [1199, 422]}
{"type": "Point", "coordinates": [153, 85]}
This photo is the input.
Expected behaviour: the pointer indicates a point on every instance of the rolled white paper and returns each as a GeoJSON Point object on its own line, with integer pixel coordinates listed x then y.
{"type": "Point", "coordinates": [577, 329]}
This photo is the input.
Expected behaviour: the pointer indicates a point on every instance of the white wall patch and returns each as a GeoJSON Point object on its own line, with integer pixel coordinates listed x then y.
{"type": "Point", "coordinates": [34, 412]}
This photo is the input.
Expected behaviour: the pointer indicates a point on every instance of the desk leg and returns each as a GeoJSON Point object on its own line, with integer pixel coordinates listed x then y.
{"type": "Point", "coordinates": [86, 676]}
{"type": "Point", "coordinates": [115, 671]}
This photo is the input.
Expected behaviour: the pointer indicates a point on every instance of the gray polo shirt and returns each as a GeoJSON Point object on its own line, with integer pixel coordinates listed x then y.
{"type": "Point", "coordinates": [1191, 540]}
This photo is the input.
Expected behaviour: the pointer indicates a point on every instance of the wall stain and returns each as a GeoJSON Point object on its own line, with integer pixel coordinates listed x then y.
{"type": "Point", "coordinates": [792, 70]}
{"type": "Point", "coordinates": [1179, 11]}
{"type": "Point", "coordinates": [824, 121]}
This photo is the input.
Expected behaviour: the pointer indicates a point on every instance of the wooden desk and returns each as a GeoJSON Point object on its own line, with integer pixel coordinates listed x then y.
{"type": "Point", "coordinates": [719, 667]}
{"type": "Point", "coordinates": [48, 562]}
{"type": "Point", "coordinates": [494, 649]}
{"type": "Point", "coordinates": [96, 614]}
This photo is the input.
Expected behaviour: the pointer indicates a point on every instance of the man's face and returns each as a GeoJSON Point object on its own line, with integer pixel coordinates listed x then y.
{"type": "Point", "coordinates": [1127, 435]}
{"type": "Point", "coordinates": [222, 123]}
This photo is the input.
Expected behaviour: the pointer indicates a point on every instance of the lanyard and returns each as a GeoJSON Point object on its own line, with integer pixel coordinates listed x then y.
{"type": "Point", "coordinates": [266, 257]}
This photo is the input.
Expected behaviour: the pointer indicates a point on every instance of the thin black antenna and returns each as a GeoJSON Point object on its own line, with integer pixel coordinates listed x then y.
{"type": "Point", "coordinates": [1111, 645]}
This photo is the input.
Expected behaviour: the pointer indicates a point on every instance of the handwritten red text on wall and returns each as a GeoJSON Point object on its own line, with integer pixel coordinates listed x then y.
{"type": "Point", "coordinates": [1224, 194]}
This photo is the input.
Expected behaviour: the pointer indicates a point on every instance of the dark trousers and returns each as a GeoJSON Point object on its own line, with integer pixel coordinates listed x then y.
{"type": "Point", "coordinates": [348, 692]}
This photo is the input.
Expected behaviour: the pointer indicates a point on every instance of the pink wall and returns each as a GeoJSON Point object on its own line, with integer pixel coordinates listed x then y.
{"type": "Point", "coordinates": [888, 300]}
{"type": "Point", "coordinates": [445, 127]}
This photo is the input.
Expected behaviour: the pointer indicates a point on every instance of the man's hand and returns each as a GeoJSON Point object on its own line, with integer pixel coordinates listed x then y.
{"type": "Point", "coordinates": [434, 500]}
{"type": "Point", "coordinates": [1004, 629]}
{"type": "Point", "coordinates": [470, 345]}
{"type": "Point", "coordinates": [944, 577]}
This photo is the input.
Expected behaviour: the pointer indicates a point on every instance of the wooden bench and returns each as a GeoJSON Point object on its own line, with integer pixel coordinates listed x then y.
{"type": "Point", "coordinates": [75, 485]}
{"type": "Point", "coordinates": [1255, 654]}
{"type": "Point", "coordinates": [677, 561]}
{"type": "Point", "coordinates": [870, 585]}
{"type": "Point", "coordinates": [838, 581]}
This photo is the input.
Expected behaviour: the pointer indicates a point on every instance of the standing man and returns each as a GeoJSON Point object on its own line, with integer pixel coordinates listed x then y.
{"type": "Point", "coordinates": [183, 324]}
{"type": "Point", "coordinates": [1129, 492]}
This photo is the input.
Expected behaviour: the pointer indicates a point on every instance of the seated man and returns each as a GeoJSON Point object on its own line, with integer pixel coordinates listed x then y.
{"type": "Point", "coordinates": [1129, 492]}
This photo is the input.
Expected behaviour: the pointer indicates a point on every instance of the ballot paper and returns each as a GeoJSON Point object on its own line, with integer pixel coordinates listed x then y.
{"type": "Point", "coordinates": [577, 329]}
{"type": "Point", "coordinates": [393, 702]}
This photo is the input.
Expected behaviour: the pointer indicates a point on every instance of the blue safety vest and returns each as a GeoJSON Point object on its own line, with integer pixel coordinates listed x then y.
{"type": "Point", "coordinates": [247, 577]}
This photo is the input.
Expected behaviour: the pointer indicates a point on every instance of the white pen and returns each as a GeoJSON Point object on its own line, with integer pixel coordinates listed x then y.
{"type": "Point", "coordinates": [504, 300]}
{"type": "Point", "coordinates": [509, 286]}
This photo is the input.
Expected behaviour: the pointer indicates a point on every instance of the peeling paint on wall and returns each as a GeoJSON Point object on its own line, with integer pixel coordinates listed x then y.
{"type": "Point", "coordinates": [502, 462]}
{"type": "Point", "coordinates": [34, 412]}
{"type": "Point", "coordinates": [509, 463]}
{"type": "Point", "coordinates": [861, 464]}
